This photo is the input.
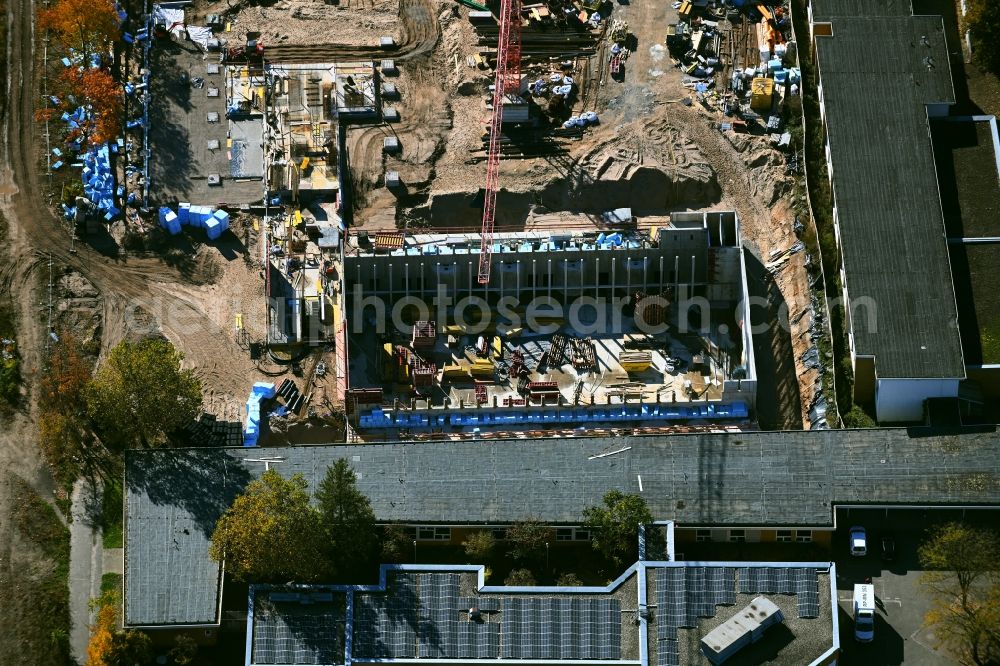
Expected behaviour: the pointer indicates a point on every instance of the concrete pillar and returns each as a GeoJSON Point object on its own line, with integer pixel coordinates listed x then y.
{"type": "Point", "coordinates": [677, 275]}
{"type": "Point", "coordinates": [550, 278]}
{"type": "Point", "coordinates": [597, 276]}
{"type": "Point", "coordinates": [534, 277]}
{"type": "Point", "coordinates": [614, 280]}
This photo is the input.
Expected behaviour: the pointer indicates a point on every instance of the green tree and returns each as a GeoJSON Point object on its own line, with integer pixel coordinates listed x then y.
{"type": "Point", "coordinates": [615, 526]}
{"type": "Point", "coordinates": [527, 539]}
{"type": "Point", "coordinates": [396, 544]}
{"type": "Point", "coordinates": [271, 533]}
{"type": "Point", "coordinates": [184, 651]}
{"type": "Point", "coordinates": [982, 19]}
{"type": "Point", "coordinates": [348, 521]}
{"type": "Point", "coordinates": [520, 578]}
{"type": "Point", "coordinates": [140, 394]}
{"type": "Point", "coordinates": [858, 418]}
{"type": "Point", "coordinates": [129, 648]}
{"type": "Point", "coordinates": [479, 545]}
{"type": "Point", "coordinates": [962, 573]}
{"type": "Point", "coordinates": [569, 579]}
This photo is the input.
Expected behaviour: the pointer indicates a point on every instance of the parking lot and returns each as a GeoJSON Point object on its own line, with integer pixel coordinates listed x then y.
{"type": "Point", "coordinates": [900, 634]}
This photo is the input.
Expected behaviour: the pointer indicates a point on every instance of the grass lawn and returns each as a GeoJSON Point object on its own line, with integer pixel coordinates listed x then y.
{"type": "Point", "coordinates": [36, 589]}
{"type": "Point", "coordinates": [110, 582]}
{"type": "Point", "coordinates": [111, 514]}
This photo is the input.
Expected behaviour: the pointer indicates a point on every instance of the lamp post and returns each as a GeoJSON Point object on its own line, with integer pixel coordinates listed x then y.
{"type": "Point", "coordinates": [414, 551]}
{"type": "Point", "coordinates": [547, 570]}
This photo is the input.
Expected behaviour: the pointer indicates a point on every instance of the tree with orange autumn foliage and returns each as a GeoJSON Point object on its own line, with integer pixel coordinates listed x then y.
{"type": "Point", "coordinates": [108, 645]}
{"type": "Point", "coordinates": [103, 630]}
{"type": "Point", "coordinates": [66, 375]}
{"type": "Point", "coordinates": [104, 97]}
{"type": "Point", "coordinates": [88, 26]}
{"type": "Point", "coordinates": [64, 430]}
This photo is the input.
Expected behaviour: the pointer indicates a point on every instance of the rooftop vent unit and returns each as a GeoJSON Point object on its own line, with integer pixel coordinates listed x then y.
{"type": "Point", "coordinates": [214, 179]}
{"type": "Point", "coordinates": [390, 144]}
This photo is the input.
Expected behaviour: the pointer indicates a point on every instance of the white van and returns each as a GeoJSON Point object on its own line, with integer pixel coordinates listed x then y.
{"type": "Point", "coordinates": [864, 613]}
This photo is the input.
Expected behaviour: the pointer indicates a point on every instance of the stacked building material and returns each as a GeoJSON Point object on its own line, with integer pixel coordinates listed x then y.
{"type": "Point", "coordinates": [423, 372]}
{"type": "Point", "coordinates": [98, 179]}
{"type": "Point", "coordinates": [217, 224]}
{"type": "Point", "coordinates": [424, 334]}
{"type": "Point", "coordinates": [170, 221]}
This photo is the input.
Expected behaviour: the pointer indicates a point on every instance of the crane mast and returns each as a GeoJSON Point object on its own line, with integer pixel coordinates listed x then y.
{"type": "Point", "coordinates": [508, 79]}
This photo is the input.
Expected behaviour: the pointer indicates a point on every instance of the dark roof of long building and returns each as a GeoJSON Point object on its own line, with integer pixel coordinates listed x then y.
{"type": "Point", "coordinates": [175, 496]}
{"type": "Point", "coordinates": [879, 71]}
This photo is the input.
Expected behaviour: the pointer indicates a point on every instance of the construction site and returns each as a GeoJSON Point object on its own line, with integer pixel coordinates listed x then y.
{"type": "Point", "coordinates": [558, 150]}
{"type": "Point", "coordinates": [572, 328]}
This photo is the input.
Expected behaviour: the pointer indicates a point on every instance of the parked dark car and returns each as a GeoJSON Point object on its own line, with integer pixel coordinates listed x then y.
{"type": "Point", "coordinates": [888, 547]}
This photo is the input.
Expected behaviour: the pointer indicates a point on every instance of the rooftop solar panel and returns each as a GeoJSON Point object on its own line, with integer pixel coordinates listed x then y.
{"type": "Point", "coordinates": [548, 628]}
{"type": "Point", "coordinates": [668, 653]}
{"type": "Point", "coordinates": [293, 638]}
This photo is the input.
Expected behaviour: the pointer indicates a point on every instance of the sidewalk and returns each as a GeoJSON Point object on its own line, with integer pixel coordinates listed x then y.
{"type": "Point", "coordinates": [86, 562]}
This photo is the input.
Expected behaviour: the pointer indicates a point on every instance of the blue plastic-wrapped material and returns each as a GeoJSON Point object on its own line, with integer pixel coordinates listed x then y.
{"type": "Point", "coordinates": [223, 218]}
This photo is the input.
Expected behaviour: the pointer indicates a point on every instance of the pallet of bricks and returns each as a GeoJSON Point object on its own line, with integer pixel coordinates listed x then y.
{"type": "Point", "coordinates": [543, 392]}
{"type": "Point", "coordinates": [422, 371]}
{"type": "Point", "coordinates": [424, 335]}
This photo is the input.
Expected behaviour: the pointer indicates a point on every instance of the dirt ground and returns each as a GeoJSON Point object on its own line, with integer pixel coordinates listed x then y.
{"type": "Point", "coordinates": [110, 295]}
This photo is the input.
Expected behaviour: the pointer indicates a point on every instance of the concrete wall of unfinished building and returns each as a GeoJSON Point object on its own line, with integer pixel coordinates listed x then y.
{"type": "Point", "coordinates": [698, 255]}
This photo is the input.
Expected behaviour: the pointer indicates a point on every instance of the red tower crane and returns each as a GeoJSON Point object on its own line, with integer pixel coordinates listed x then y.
{"type": "Point", "coordinates": [508, 79]}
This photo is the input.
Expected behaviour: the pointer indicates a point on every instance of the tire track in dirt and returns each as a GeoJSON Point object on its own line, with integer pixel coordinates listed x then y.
{"type": "Point", "coordinates": [419, 35]}
{"type": "Point", "coordinates": [127, 285]}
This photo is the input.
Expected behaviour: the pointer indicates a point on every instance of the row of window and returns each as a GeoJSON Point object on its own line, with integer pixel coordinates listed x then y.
{"type": "Point", "coordinates": [740, 536]}
{"type": "Point", "coordinates": [581, 534]}
{"type": "Point", "coordinates": [499, 533]}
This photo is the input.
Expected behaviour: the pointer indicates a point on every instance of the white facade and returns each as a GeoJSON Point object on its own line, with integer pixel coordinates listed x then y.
{"type": "Point", "coordinates": [902, 400]}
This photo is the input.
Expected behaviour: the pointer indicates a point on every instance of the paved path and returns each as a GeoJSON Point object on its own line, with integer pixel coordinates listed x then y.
{"type": "Point", "coordinates": [86, 561]}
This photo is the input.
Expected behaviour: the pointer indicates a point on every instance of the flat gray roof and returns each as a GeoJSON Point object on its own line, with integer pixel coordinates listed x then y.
{"type": "Point", "coordinates": [180, 159]}
{"type": "Point", "coordinates": [794, 478]}
{"type": "Point", "coordinates": [878, 75]}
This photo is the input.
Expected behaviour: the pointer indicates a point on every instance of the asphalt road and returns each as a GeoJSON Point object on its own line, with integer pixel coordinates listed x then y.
{"type": "Point", "coordinates": [900, 634]}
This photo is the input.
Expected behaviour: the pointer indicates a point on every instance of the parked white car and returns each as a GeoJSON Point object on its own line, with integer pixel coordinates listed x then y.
{"type": "Point", "coordinates": [859, 541]}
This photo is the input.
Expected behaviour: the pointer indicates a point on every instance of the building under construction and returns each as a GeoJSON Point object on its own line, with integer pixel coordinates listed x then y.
{"type": "Point", "coordinates": [308, 106]}
{"type": "Point", "coordinates": [573, 329]}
